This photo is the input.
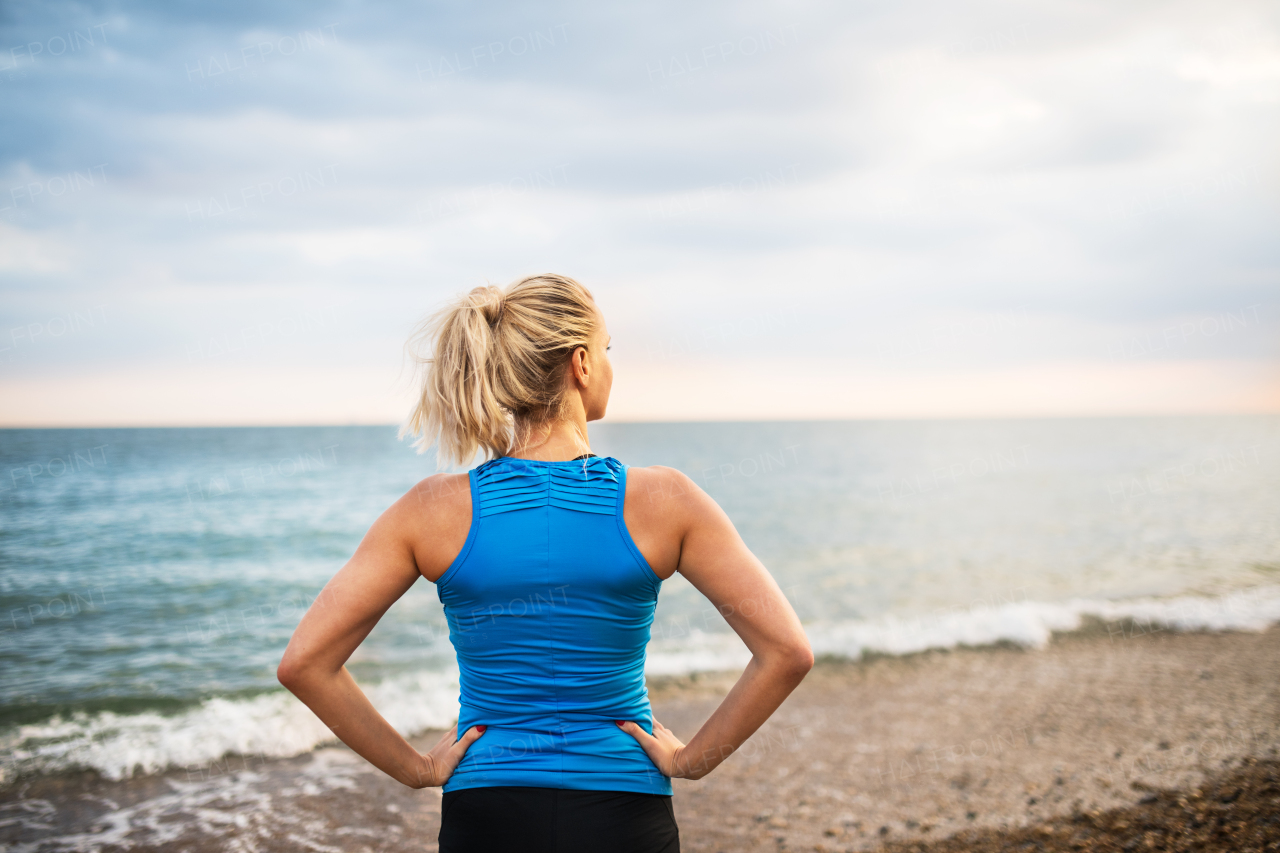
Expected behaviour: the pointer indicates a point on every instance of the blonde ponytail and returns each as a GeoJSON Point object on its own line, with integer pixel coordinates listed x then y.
{"type": "Point", "coordinates": [496, 365]}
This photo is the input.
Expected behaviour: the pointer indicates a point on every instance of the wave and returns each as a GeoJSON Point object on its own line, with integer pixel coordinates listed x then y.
{"type": "Point", "coordinates": [272, 725]}
{"type": "Point", "coordinates": [1029, 624]}
{"type": "Point", "coordinates": [276, 725]}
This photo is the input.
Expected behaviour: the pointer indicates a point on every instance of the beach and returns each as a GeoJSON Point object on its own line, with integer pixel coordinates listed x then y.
{"type": "Point", "coordinates": [1016, 623]}
{"type": "Point", "coordinates": [916, 749]}
{"type": "Point", "coordinates": [943, 340]}
{"type": "Point", "coordinates": [943, 750]}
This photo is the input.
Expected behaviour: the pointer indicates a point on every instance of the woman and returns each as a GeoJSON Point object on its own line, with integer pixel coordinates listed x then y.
{"type": "Point", "coordinates": [548, 560]}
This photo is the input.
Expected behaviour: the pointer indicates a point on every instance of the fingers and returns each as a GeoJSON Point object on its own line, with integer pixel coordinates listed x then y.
{"type": "Point", "coordinates": [472, 735]}
{"type": "Point", "coordinates": [447, 739]}
{"type": "Point", "coordinates": [439, 763]}
{"type": "Point", "coordinates": [634, 730]}
{"type": "Point", "coordinates": [662, 746]}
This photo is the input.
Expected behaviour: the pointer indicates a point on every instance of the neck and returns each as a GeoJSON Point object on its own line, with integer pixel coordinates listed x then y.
{"type": "Point", "coordinates": [553, 441]}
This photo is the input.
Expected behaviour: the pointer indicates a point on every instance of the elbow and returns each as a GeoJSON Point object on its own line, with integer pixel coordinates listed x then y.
{"type": "Point", "coordinates": [287, 674]}
{"type": "Point", "coordinates": [793, 662]}
{"type": "Point", "coordinates": [800, 661]}
{"type": "Point", "coordinates": [291, 672]}
{"type": "Point", "coordinates": [302, 669]}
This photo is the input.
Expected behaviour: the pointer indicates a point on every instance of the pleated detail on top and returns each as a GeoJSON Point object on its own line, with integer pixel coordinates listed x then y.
{"type": "Point", "coordinates": [504, 487]}
{"type": "Point", "coordinates": [507, 485]}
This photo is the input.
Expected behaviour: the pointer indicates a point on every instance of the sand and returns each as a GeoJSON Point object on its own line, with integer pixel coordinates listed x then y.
{"type": "Point", "coordinates": [925, 747]}
{"type": "Point", "coordinates": [1065, 748]}
{"type": "Point", "coordinates": [1237, 810]}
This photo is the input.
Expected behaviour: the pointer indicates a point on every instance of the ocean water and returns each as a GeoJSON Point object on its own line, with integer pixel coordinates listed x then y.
{"type": "Point", "coordinates": [150, 578]}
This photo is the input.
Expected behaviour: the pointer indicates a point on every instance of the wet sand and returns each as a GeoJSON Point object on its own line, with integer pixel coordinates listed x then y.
{"type": "Point", "coordinates": [1066, 748]}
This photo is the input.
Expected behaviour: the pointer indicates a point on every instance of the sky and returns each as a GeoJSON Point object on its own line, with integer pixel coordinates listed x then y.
{"type": "Point", "coordinates": [237, 214]}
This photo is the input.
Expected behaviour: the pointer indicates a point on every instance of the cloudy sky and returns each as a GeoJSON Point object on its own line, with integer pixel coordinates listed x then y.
{"type": "Point", "coordinates": [920, 209]}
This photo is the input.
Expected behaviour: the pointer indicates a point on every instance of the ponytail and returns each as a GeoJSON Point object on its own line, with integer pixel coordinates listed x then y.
{"type": "Point", "coordinates": [496, 365]}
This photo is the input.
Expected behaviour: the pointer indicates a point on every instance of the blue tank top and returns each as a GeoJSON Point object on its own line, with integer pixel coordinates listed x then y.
{"type": "Point", "coordinates": [549, 605]}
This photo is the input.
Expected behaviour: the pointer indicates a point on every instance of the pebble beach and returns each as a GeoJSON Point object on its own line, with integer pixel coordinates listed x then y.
{"type": "Point", "coordinates": [1116, 737]}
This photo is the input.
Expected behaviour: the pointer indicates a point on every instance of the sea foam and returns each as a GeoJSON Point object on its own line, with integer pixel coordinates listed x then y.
{"type": "Point", "coordinates": [278, 725]}
{"type": "Point", "coordinates": [1031, 624]}
{"type": "Point", "coordinates": [272, 725]}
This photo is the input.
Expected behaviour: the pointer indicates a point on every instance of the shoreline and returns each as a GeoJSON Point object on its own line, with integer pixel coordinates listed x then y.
{"type": "Point", "coordinates": [158, 735]}
{"type": "Point", "coordinates": [894, 753]}
{"type": "Point", "coordinates": [920, 748]}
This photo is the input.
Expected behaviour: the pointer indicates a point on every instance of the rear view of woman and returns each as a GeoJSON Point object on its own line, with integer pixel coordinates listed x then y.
{"type": "Point", "coordinates": [548, 560]}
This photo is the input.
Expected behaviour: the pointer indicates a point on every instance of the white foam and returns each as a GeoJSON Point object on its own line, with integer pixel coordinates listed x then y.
{"type": "Point", "coordinates": [278, 725]}
{"type": "Point", "coordinates": [271, 725]}
{"type": "Point", "coordinates": [1029, 624]}
{"type": "Point", "coordinates": [242, 810]}
{"type": "Point", "coordinates": [697, 652]}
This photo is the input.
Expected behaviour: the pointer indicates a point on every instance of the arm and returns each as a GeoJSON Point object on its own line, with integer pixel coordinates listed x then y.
{"type": "Point", "coordinates": [709, 552]}
{"type": "Point", "coordinates": [313, 668]}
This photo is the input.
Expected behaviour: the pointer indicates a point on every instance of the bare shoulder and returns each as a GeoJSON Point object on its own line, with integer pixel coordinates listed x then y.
{"type": "Point", "coordinates": [434, 518]}
{"type": "Point", "coordinates": [662, 506]}
{"type": "Point", "coordinates": [440, 493]}
{"type": "Point", "coordinates": [659, 489]}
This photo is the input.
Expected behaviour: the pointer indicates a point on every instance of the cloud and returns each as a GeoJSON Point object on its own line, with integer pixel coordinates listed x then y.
{"type": "Point", "coordinates": [885, 175]}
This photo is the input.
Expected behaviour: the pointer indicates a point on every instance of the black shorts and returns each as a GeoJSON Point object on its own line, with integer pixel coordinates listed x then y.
{"type": "Point", "coordinates": [555, 820]}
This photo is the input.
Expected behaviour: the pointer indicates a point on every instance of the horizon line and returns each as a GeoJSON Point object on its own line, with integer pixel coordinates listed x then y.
{"type": "Point", "coordinates": [661, 422]}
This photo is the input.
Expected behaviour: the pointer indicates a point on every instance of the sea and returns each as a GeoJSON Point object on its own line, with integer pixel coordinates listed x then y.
{"type": "Point", "coordinates": [151, 578]}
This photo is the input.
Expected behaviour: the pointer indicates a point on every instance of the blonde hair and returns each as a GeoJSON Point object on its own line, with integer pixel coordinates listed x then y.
{"type": "Point", "coordinates": [496, 365]}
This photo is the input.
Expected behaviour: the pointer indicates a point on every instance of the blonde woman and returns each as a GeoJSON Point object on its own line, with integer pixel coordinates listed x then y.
{"type": "Point", "coordinates": [548, 560]}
